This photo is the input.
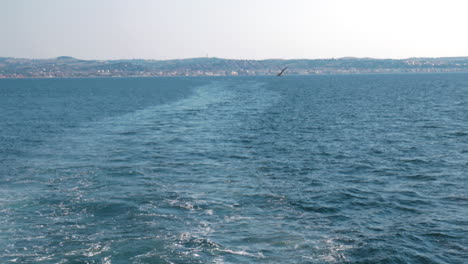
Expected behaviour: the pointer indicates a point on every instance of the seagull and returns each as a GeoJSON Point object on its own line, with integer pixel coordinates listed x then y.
{"type": "Point", "coordinates": [279, 74]}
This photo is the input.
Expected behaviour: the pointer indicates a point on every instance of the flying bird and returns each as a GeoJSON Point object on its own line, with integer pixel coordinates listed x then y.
{"type": "Point", "coordinates": [281, 72]}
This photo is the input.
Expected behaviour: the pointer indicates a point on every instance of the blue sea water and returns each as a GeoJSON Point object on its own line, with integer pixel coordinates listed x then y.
{"type": "Point", "coordinates": [297, 169]}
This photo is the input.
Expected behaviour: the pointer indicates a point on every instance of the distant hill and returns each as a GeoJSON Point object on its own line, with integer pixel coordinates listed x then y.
{"type": "Point", "coordinates": [65, 58]}
{"type": "Point", "coordinates": [66, 66]}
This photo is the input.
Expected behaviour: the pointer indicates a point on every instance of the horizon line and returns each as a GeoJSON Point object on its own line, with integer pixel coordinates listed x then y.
{"type": "Point", "coordinates": [191, 58]}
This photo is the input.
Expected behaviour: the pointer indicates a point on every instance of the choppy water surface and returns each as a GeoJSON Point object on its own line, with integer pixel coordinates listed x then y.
{"type": "Point", "coordinates": [329, 169]}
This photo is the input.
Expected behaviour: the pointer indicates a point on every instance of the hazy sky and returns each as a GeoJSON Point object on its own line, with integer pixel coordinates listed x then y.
{"type": "Point", "coordinates": [240, 29]}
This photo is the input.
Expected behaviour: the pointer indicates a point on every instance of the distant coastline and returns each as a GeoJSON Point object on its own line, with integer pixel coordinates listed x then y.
{"type": "Point", "coordinates": [69, 67]}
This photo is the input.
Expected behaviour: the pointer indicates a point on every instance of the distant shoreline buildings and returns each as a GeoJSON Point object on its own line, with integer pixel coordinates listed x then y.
{"type": "Point", "coordinates": [68, 67]}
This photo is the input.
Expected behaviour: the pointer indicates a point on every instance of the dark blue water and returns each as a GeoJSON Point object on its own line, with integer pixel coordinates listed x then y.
{"type": "Point", "coordinates": [316, 169]}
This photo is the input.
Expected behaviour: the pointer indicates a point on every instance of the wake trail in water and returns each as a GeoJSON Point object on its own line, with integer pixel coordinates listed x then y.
{"type": "Point", "coordinates": [159, 166]}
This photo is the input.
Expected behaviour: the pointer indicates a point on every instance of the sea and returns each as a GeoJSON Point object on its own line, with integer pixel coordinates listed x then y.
{"type": "Point", "coordinates": [255, 169]}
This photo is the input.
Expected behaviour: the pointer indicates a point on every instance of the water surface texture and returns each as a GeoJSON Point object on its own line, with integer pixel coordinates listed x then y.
{"type": "Point", "coordinates": [297, 169]}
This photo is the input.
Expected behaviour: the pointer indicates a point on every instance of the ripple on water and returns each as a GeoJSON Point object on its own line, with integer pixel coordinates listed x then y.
{"type": "Point", "coordinates": [317, 169]}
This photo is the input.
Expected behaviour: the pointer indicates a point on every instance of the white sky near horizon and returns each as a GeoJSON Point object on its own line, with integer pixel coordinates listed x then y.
{"type": "Point", "coordinates": [237, 29]}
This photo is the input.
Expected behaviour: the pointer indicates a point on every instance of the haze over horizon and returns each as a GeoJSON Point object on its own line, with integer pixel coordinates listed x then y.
{"type": "Point", "coordinates": [259, 29]}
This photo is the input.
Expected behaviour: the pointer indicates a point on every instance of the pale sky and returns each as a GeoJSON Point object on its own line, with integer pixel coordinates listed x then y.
{"type": "Point", "coordinates": [238, 29]}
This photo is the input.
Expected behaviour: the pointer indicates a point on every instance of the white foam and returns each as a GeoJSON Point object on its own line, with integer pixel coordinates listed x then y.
{"type": "Point", "coordinates": [107, 260]}
{"type": "Point", "coordinates": [335, 251]}
{"type": "Point", "coordinates": [94, 250]}
{"type": "Point", "coordinates": [236, 218]}
{"type": "Point", "coordinates": [243, 253]}
{"type": "Point", "coordinates": [209, 212]}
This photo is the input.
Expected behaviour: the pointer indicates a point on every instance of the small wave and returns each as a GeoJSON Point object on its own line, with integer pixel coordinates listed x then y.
{"type": "Point", "coordinates": [183, 204]}
{"type": "Point", "coordinates": [413, 160]}
{"type": "Point", "coordinates": [94, 250]}
{"type": "Point", "coordinates": [243, 253]}
{"type": "Point", "coordinates": [316, 209]}
{"type": "Point", "coordinates": [330, 251]}
{"type": "Point", "coordinates": [230, 219]}
{"type": "Point", "coordinates": [459, 134]}
{"type": "Point", "coordinates": [421, 177]}
{"type": "Point", "coordinates": [457, 198]}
